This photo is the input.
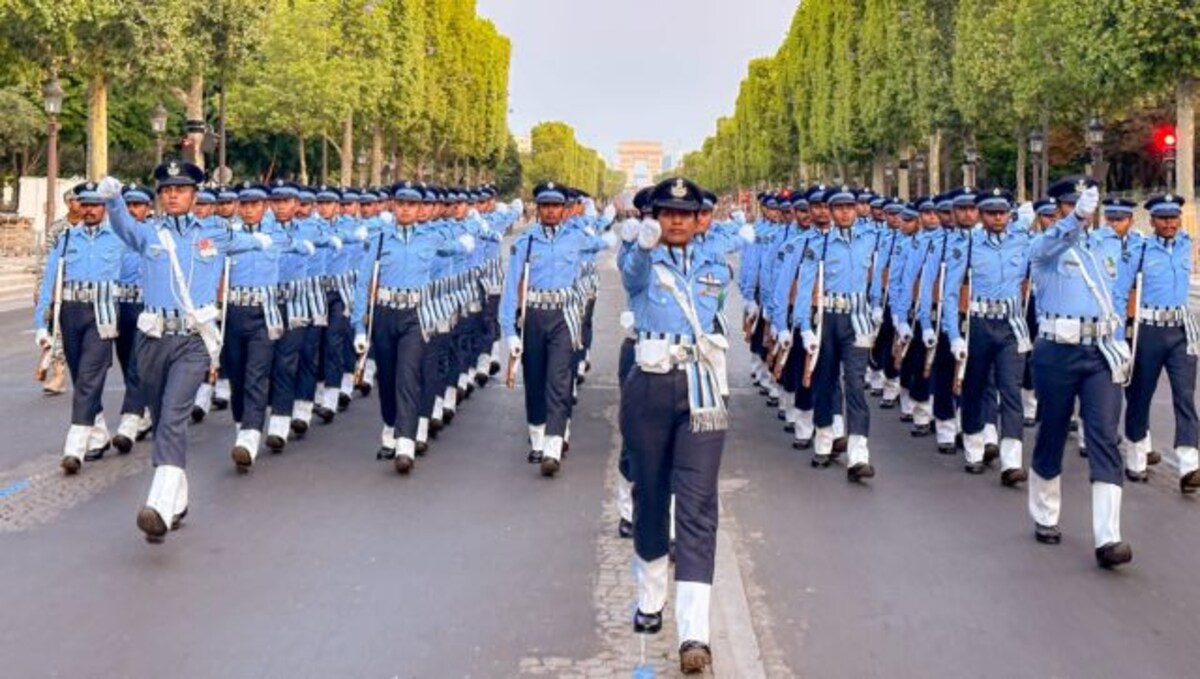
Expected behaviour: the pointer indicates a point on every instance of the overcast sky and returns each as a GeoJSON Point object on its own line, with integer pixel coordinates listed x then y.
{"type": "Point", "coordinates": [661, 70]}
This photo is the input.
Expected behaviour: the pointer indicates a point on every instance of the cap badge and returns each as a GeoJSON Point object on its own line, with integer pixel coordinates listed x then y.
{"type": "Point", "coordinates": [678, 190]}
{"type": "Point", "coordinates": [173, 169]}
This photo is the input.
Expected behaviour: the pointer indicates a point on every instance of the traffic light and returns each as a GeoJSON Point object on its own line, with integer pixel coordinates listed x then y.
{"type": "Point", "coordinates": [1165, 141]}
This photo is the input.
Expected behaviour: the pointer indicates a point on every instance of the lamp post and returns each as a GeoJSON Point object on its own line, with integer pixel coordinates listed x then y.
{"type": "Point", "coordinates": [52, 99]}
{"type": "Point", "coordinates": [1095, 141]}
{"type": "Point", "coordinates": [1037, 146]}
{"type": "Point", "coordinates": [158, 123]}
{"type": "Point", "coordinates": [889, 173]}
{"type": "Point", "coordinates": [919, 168]}
{"type": "Point", "coordinates": [971, 159]}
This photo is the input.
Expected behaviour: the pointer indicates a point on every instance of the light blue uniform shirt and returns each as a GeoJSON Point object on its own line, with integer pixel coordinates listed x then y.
{"type": "Point", "coordinates": [92, 256]}
{"type": "Point", "coordinates": [998, 263]}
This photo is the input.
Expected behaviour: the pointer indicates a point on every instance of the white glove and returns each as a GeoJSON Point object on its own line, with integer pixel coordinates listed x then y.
{"type": "Point", "coordinates": [361, 233]}
{"type": "Point", "coordinates": [772, 333]}
{"type": "Point", "coordinates": [468, 242]}
{"type": "Point", "coordinates": [335, 242]}
{"type": "Point", "coordinates": [502, 207]}
{"type": "Point", "coordinates": [877, 316]}
{"type": "Point", "coordinates": [518, 205]}
{"type": "Point", "coordinates": [751, 308]}
{"type": "Point", "coordinates": [387, 218]}
{"type": "Point", "coordinates": [958, 347]}
{"type": "Point", "coordinates": [609, 214]}
{"type": "Point", "coordinates": [589, 208]}
{"type": "Point", "coordinates": [1025, 212]}
{"type": "Point", "coordinates": [904, 332]}
{"type": "Point", "coordinates": [648, 234]}
{"type": "Point", "coordinates": [514, 346]}
{"type": "Point", "coordinates": [785, 340]}
{"type": "Point", "coordinates": [360, 343]}
{"type": "Point", "coordinates": [108, 188]}
{"type": "Point", "coordinates": [42, 338]}
{"type": "Point", "coordinates": [610, 239]}
{"type": "Point", "coordinates": [472, 213]}
{"type": "Point", "coordinates": [629, 230]}
{"type": "Point", "coordinates": [929, 339]}
{"type": "Point", "coordinates": [809, 340]}
{"type": "Point", "coordinates": [264, 241]}
{"type": "Point", "coordinates": [747, 234]}
{"type": "Point", "coordinates": [738, 216]}
{"type": "Point", "coordinates": [1089, 200]}
{"type": "Point", "coordinates": [308, 247]}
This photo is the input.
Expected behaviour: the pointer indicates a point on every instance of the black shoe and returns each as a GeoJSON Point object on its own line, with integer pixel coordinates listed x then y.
{"type": "Point", "coordinates": [820, 461]}
{"type": "Point", "coordinates": [481, 379]}
{"type": "Point", "coordinates": [1137, 477]}
{"type": "Point", "coordinates": [625, 529]}
{"type": "Point", "coordinates": [364, 389]}
{"type": "Point", "coordinates": [1073, 426]}
{"type": "Point", "coordinates": [448, 416]}
{"type": "Point", "coordinates": [1153, 457]}
{"type": "Point", "coordinates": [219, 403]}
{"type": "Point", "coordinates": [802, 444]}
{"type": "Point", "coordinates": [198, 414]}
{"type": "Point", "coordinates": [790, 427]}
{"type": "Point", "coordinates": [152, 525]}
{"type": "Point", "coordinates": [177, 520]}
{"type": "Point", "coordinates": [70, 465]}
{"type": "Point", "coordinates": [241, 459]}
{"type": "Point", "coordinates": [877, 392]}
{"type": "Point", "coordinates": [781, 415]}
{"type": "Point", "coordinates": [404, 464]}
{"type": "Point", "coordinates": [93, 455]}
{"type": "Point", "coordinates": [840, 445]}
{"type": "Point", "coordinates": [494, 369]}
{"type": "Point", "coordinates": [550, 466]}
{"type": "Point", "coordinates": [275, 444]}
{"type": "Point", "coordinates": [906, 417]}
{"type": "Point", "coordinates": [1047, 535]}
{"type": "Point", "coordinates": [435, 426]}
{"type": "Point", "coordinates": [1114, 554]}
{"type": "Point", "coordinates": [694, 657]}
{"type": "Point", "coordinates": [921, 430]}
{"type": "Point", "coordinates": [1029, 422]}
{"type": "Point", "coordinates": [888, 403]}
{"type": "Point", "coordinates": [580, 379]}
{"type": "Point", "coordinates": [763, 391]}
{"type": "Point", "coordinates": [385, 453]}
{"type": "Point", "coordinates": [772, 401]}
{"type": "Point", "coordinates": [461, 395]}
{"type": "Point", "coordinates": [1083, 452]}
{"type": "Point", "coordinates": [535, 457]}
{"type": "Point", "coordinates": [1009, 478]}
{"type": "Point", "coordinates": [1190, 482]}
{"type": "Point", "coordinates": [860, 471]}
{"type": "Point", "coordinates": [566, 448]}
{"type": "Point", "coordinates": [991, 451]}
{"type": "Point", "coordinates": [647, 623]}
{"type": "Point", "coordinates": [974, 467]}
{"type": "Point", "coordinates": [122, 443]}
{"type": "Point", "coordinates": [421, 447]}
{"type": "Point", "coordinates": [324, 413]}
{"type": "Point", "coordinates": [343, 402]}
{"type": "Point", "coordinates": [143, 433]}
{"type": "Point", "coordinates": [299, 428]}
{"type": "Point", "coordinates": [958, 441]}
{"type": "Point", "coordinates": [947, 449]}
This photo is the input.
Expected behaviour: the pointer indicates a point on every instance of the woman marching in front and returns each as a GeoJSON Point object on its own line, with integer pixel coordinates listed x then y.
{"type": "Point", "coordinates": [673, 417]}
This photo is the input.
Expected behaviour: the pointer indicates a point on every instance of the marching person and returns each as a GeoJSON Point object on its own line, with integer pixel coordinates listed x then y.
{"type": "Point", "coordinates": [885, 373]}
{"type": "Point", "coordinates": [1080, 354]}
{"type": "Point", "coordinates": [1045, 215]}
{"type": "Point", "coordinates": [986, 281]}
{"type": "Point", "coordinates": [82, 312]}
{"type": "Point", "coordinates": [179, 342]}
{"type": "Point", "coordinates": [673, 418]}
{"type": "Point", "coordinates": [918, 224]}
{"type": "Point", "coordinates": [551, 256]}
{"type": "Point", "coordinates": [135, 424]}
{"type": "Point", "coordinates": [1167, 338]}
{"type": "Point", "coordinates": [836, 270]}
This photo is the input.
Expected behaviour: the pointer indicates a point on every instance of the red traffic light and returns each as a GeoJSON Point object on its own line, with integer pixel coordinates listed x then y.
{"type": "Point", "coordinates": [1164, 138]}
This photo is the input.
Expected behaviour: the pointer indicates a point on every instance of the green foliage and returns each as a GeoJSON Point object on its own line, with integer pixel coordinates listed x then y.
{"type": "Point", "coordinates": [558, 157]}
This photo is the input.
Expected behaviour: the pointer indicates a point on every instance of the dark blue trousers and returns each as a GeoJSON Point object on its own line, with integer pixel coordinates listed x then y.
{"type": "Point", "coordinates": [309, 364]}
{"type": "Point", "coordinates": [334, 347]}
{"type": "Point", "coordinates": [285, 370]}
{"type": "Point", "coordinates": [667, 456]}
{"type": "Point", "coordinates": [993, 358]}
{"type": "Point", "coordinates": [432, 378]}
{"type": "Point", "coordinates": [126, 342]}
{"type": "Point", "coordinates": [1061, 374]}
{"type": "Point", "coordinates": [88, 359]}
{"type": "Point", "coordinates": [547, 363]}
{"type": "Point", "coordinates": [840, 363]}
{"type": "Point", "coordinates": [399, 346]}
{"type": "Point", "coordinates": [171, 368]}
{"type": "Point", "coordinates": [247, 356]}
{"type": "Point", "coordinates": [912, 368]}
{"type": "Point", "coordinates": [625, 362]}
{"type": "Point", "coordinates": [1158, 349]}
{"type": "Point", "coordinates": [881, 352]}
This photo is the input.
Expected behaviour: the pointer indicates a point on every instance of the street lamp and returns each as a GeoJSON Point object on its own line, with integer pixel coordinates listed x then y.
{"type": "Point", "coordinates": [919, 167]}
{"type": "Point", "coordinates": [971, 158]}
{"type": "Point", "coordinates": [1037, 145]}
{"type": "Point", "coordinates": [158, 123]}
{"type": "Point", "coordinates": [888, 173]}
{"type": "Point", "coordinates": [1095, 140]}
{"type": "Point", "coordinates": [52, 98]}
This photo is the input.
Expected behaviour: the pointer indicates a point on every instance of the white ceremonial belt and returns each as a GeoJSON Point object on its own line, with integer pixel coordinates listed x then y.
{"type": "Point", "coordinates": [1163, 316]}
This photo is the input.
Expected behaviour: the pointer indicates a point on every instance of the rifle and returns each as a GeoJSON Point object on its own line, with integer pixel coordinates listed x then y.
{"type": "Point", "coordinates": [937, 315]}
{"type": "Point", "coordinates": [810, 362]}
{"type": "Point", "coordinates": [46, 361]}
{"type": "Point", "coordinates": [372, 291]}
{"type": "Point", "coordinates": [781, 361]}
{"type": "Point", "coordinates": [1132, 310]}
{"type": "Point", "coordinates": [510, 378]}
{"type": "Point", "coordinates": [964, 307]}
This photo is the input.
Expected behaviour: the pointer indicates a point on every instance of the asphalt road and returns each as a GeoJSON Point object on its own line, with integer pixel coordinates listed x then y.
{"type": "Point", "coordinates": [323, 562]}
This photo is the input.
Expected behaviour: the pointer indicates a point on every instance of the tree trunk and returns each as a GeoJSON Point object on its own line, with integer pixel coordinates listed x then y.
{"type": "Point", "coordinates": [303, 177]}
{"type": "Point", "coordinates": [878, 180]}
{"type": "Point", "coordinates": [1022, 195]}
{"type": "Point", "coordinates": [1186, 92]}
{"type": "Point", "coordinates": [377, 154]}
{"type": "Point", "coordinates": [347, 159]}
{"type": "Point", "coordinates": [934, 166]}
{"type": "Point", "coordinates": [97, 128]}
{"type": "Point", "coordinates": [1044, 175]}
{"type": "Point", "coordinates": [193, 103]}
{"type": "Point", "coordinates": [324, 158]}
{"type": "Point", "coordinates": [902, 173]}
